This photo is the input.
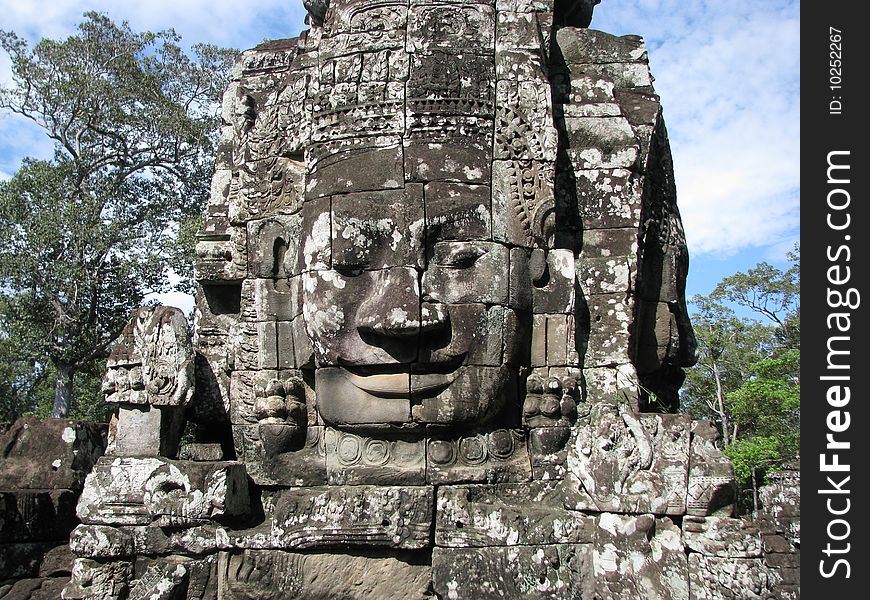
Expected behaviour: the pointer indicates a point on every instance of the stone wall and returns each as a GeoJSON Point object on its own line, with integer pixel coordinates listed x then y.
{"type": "Point", "coordinates": [43, 465]}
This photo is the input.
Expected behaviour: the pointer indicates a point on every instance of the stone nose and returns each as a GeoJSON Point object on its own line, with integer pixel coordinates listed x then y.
{"type": "Point", "coordinates": [393, 308]}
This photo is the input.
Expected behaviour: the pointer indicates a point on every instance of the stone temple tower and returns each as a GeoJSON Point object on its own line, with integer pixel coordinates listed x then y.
{"type": "Point", "coordinates": [439, 334]}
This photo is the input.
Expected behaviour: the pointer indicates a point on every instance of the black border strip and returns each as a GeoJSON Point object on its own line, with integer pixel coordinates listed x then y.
{"type": "Point", "coordinates": [834, 253]}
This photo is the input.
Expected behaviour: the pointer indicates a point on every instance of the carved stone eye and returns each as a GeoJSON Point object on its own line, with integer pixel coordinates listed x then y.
{"type": "Point", "coordinates": [348, 270]}
{"type": "Point", "coordinates": [458, 255]}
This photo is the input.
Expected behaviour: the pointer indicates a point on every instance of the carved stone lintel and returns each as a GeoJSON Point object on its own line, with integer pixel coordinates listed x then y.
{"type": "Point", "coordinates": [139, 491]}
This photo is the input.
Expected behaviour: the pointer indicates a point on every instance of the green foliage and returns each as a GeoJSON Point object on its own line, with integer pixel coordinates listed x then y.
{"type": "Point", "coordinates": [85, 236]}
{"type": "Point", "coordinates": [748, 374]}
{"type": "Point", "coordinates": [751, 454]}
{"type": "Point", "coordinates": [767, 404]}
{"type": "Point", "coordinates": [23, 382]}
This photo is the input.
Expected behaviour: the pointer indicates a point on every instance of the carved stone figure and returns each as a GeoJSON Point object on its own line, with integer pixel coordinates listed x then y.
{"type": "Point", "coordinates": [440, 321]}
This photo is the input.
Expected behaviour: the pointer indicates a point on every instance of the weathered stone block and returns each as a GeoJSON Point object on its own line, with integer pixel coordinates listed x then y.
{"type": "Point", "coordinates": [541, 571]}
{"type": "Point", "coordinates": [305, 466]}
{"type": "Point", "coordinates": [548, 452]}
{"type": "Point", "coordinates": [591, 109]}
{"type": "Point", "coordinates": [374, 169]}
{"type": "Point", "coordinates": [722, 536]}
{"type": "Point", "coordinates": [271, 299]}
{"type": "Point", "coordinates": [500, 456]}
{"type": "Point", "coordinates": [712, 487]}
{"type": "Point", "coordinates": [384, 460]}
{"type": "Point", "coordinates": [37, 515]}
{"type": "Point", "coordinates": [356, 406]}
{"type": "Point", "coordinates": [316, 243]}
{"type": "Point", "coordinates": [57, 562]}
{"type": "Point", "coordinates": [601, 143]}
{"type": "Point", "coordinates": [152, 362]}
{"type": "Point", "coordinates": [271, 254]}
{"type": "Point", "coordinates": [607, 199]}
{"type": "Point", "coordinates": [450, 280]}
{"type": "Point", "coordinates": [162, 580]}
{"type": "Point", "coordinates": [590, 46]}
{"type": "Point", "coordinates": [201, 452]}
{"type": "Point", "coordinates": [485, 324]}
{"type": "Point", "coordinates": [507, 200]}
{"type": "Point", "coordinates": [448, 162]}
{"type": "Point", "coordinates": [22, 559]}
{"type": "Point", "coordinates": [378, 230]}
{"type": "Point", "coordinates": [603, 330]}
{"type": "Point", "coordinates": [507, 515]}
{"type": "Point", "coordinates": [627, 462]}
{"type": "Point", "coordinates": [718, 578]}
{"type": "Point", "coordinates": [349, 516]}
{"type": "Point", "coordinates": [553, 343]}
{"type": "Point", "coordinates": [147, 431]}
{"type": "Point", "coordinates": [93, 580]}
{"type": "Point", "coordinates": [614, 275]}
{"type": "Point", "coordinates": [264, 573]}
{"type": "Point", "coordinates": [221, 257]}
{"type": "Point", "coordinates": [256, 346]}
{"type": "Point", "coordinates": [425, 26]}
{"type": "Point", "coordinates": [102, 542]}
{"type": "Point", "coordinates": [780, 499]}
{"type": "Point", "coordinates": [469, 400]}
{"type": "Point", "coordinates": [610, 243]}
{"type": "Point", "coordinates": [639, 107]}
{"type": "Point", "coordinates": [517, 30]}
{"type": "Point", "coordinates": [583, 85]}
{"type": "Point", "coordinates": [48, 454]}
{"type": "Point", "coordinates": [639, 557]}
{"type": "Point", "coordinates": [138, 491]}
{"type": "Point", "coordinates": [458, 211]}
{"type": "Point", "coordinates": [601, 383]}
{"type": "Point", "coordinates": [557, 294]}
{"type": "Point", "coordinates": [559, 339]}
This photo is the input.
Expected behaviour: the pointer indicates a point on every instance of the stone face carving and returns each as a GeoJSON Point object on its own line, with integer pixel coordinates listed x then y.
{"type": "Point", "coordinates": [151, 378]}
{"type": "Point", "coordinates": [440, 322]}
{"type": "Point", "coordinates": [152, 361]}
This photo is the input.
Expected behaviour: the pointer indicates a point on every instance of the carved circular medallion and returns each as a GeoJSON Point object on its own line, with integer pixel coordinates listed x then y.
{"type": "Point", "coordinates": [441, 452]}
{"type": "Point", "coordinates": [473, 450]}
{"type": "Point", "coordinates": [501, 443]}
{"type": "Point", "coordinates": [376, 452]}
{"type": "Point", "coordinates": [348, 450]}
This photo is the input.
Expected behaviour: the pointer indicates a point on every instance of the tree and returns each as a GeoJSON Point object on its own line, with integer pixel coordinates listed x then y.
{"type": "Point", "coordinates": [85, 236]}
{"type": "Point", "coordinates": [770, 293]}
{"type": "Point", "coordinates": [728, 346]}
{"type": "Point", "coordinates": [748, 374]}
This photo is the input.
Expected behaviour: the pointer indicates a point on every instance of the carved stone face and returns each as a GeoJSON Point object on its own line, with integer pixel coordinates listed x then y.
{"type": "Point", "coordinates": [414, 267]}
{"type": "Point", "coordinates": [408, 304]}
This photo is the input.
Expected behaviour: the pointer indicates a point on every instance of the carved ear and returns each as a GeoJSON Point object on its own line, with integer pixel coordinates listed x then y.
{"type": "Point", "coordinates": [544, 224]}
{"type": "Point", "coordinates": [538, 267]}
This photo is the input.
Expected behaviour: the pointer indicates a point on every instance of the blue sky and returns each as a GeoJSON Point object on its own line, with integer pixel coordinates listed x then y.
{"type": "Point", "coordinates": [727, 72]}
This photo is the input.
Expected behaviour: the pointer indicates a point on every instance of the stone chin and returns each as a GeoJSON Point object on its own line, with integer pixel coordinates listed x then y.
{"type": "Point", "coordinates": [407, 398]}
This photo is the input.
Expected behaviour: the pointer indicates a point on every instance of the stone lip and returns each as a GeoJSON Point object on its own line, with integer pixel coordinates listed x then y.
{"type": "Point", "coordinates": [395, 381]}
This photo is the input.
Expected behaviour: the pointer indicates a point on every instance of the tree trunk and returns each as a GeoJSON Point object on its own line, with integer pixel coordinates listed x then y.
{"type": "Point", "coordinates": [63, 389]}
{"type": "Point", "coordinates": [720, 398]}
{"type": "Point", "coordinates": [754, 492]}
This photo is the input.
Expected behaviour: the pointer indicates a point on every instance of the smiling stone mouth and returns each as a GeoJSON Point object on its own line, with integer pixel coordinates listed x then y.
{"type": "Point", "coordinates": [403, 380]}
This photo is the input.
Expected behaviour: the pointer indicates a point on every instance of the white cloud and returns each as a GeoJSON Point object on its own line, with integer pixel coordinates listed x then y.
{"type": "Point", "coordinates": [223, 22]}
{"type": "Point", "coordinates": [728, 75]}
